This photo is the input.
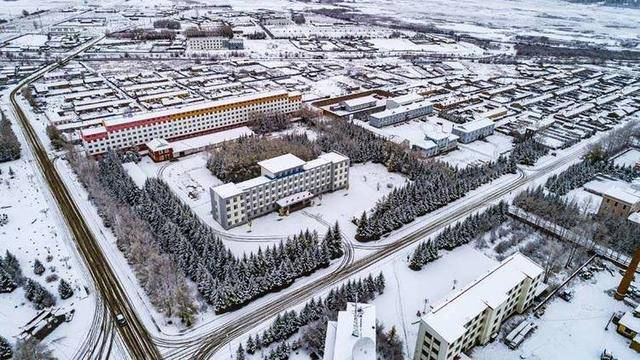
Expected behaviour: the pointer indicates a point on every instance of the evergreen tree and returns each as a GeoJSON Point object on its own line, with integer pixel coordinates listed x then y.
{"type": "Point", "coordinates": [37, 294]}
{"type": "Point", "coordinates": [9, 144]}
{"type": "Point", "coordinates": [32, 349]}
{"type": "Point", "coordinates": [5, 349]}
{"type": "Point", "coordinates": [11, 265]}
{"type": "Point", "coordinates": [240, 355]}
{"type": "Point", "coordinates": [251, 345]}
{"type": "Point", "coordinates": [335, 244]}
{"type": "Point", "coordinates": [38, 268]}
{"type": "Point", "coordinates": [380, 283]}
{"type": "Point", "coordinates": [6, 282]}
{"type": "Point", "coordinates": [64, 290]}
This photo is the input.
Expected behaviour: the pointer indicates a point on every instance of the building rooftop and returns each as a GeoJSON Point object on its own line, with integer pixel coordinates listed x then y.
{"type": "Point", "coordinates": [475, 125]}
{"type": "Point", "coordinates": [158, 145]}
{"type": "Point", "coordinates": [406, 99]}
{"type": "Point", "coordinates": [340, 341]}
{"type": "Point", "coordinates": [400, 109]}
{"type": "Point", "coordinates": [625, 194]}
{"type": "Point", "coordinates": [248, 184]}
{"type": "Point", "coordinates": [227, 190]}
{"type": "Point", "coordinates": [450, 315]}
{"type": "Point", "coordinates": [193, 107]}
{"type": "Point", "coordinates": [281, 163]}
{"type": "Point", "coordinates": [198, 142]}
{"type": "Point", "coordinates": [359, 101]}
{"type": "Point", "coordinates": [294, 198]}
{"type": "Point", "coordinates": [630, 322]}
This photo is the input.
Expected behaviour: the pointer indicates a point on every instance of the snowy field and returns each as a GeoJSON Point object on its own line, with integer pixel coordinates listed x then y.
{"type": "Point", "coordinates": [503, 19]}
{"type": "Point", "coordinates": [479, 151]}
{"type": "Point", "coordinates": [35, 231]}
{"type": "Point", "coordinates": [572, 330]}
{"type": "Point", "coordinates": [587, 201]}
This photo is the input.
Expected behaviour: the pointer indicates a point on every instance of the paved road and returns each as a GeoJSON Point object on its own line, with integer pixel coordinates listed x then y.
{"type": "Point", "coordinates": [136, 338]}
{"type": "Point", "coordinates": [138, 341]}
{"type": "Point", "coordinates": [205, 346]}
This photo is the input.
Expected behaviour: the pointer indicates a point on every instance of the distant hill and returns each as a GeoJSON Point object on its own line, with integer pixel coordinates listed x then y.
{"type": "Point", "coordinates": [619, 3]}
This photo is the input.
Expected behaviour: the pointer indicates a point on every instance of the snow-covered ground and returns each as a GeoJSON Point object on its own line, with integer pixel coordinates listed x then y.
{"type": "Point", "coordinates": [503, 19]}
{"type": "Point", "coordinates": [587, 201]}
{"type": "Point", "coordinates": [479, 151]}
{"type": "Point", "coordinates": [572, 330]}
{"type": "Point", "coordinates": [36, 231]}
{"type": "Point", "coordinates": [191, 180]}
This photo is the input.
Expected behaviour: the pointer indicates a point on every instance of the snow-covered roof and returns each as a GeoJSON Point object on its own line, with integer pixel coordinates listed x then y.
{"type": "Point", "coordinates": [359, 101]}
{"type": "Point", "coordinates": [627, 195]}
{"type": "Point", "coordinates": [353, 336]}
{"type": "Point", "coordinates": [199, 142]}
{"type": "Point", "coordinates": [281, 163]}
{"type": "Point", "coordinates": [158, 145]}
{"type": "Point", "coordinates": [401, 109]}
{"type": "Point", "coordinates": [94, 131]}
{"type": "Point", "coordinates": [449, 316]}
{"type": "Point", "coordinates": [615, 189]}
{"type": "Point", "coordinates": [406, 99]}
{"type": "Point", "coordinates": [227, 190]}
{"type": "Point", "coordinates": [630, 322]}
{"type": "Point", "coordinates": [294, 198]}
{"type": "Point", "coordinates": [436, 135]}
{"type": "Point", "coordinates": [195, 107]}
{"type": "Point", "coordinates": [475, 125]}
{"type": "Point", "coordinates": [333, 157]}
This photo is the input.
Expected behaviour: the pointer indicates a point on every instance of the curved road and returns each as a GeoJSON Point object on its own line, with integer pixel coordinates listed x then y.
{"type": "Point", "coordinates": [205, 346]}
{"type": "Point", "coordinates": [138, 340]}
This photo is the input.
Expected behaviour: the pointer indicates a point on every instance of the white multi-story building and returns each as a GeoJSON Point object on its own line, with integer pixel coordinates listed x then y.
{"type": "Point", "coordinates": [402, 100]}
{"type": "Point", "coordinates": [472, 315]}
{"type": "Point", "coordinates": [204, 43]}
{"type": "Point", "coordinates": [474, 130]}
{"type": "Point", "coordinates": [353, 335]}
{"type": "Point", "coordinates": [184, 122]}
{"type": "Point", "coordinates": [286, 182]}
{"type": "Point", "coordinates": [400, 113]}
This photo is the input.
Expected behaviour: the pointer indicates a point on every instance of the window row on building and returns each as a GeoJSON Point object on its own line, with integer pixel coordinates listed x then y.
{"type": "Point", "coordinates": [286, 183]}
{"type": "Point", "coordinates": [473, 315]}
{"type": "Point", "coordinates": [133, 132]}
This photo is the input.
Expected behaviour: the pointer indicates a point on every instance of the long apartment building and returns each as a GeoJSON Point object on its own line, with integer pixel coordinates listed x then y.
{"type": "Point", "coordinates": [286, 183]}
{"type": "Point", "coordinates": [400, 114]}
{"type": "Point", "coordinates": [197, 119]}
{"type": "Point", "coordinates": [472, 315]}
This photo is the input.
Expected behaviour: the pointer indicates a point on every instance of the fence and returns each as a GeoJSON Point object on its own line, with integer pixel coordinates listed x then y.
{"type": "Point", "coordinates": [569, 235]}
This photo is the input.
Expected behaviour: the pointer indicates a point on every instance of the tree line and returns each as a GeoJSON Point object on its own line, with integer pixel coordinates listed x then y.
{"type": "Point", "coordinates": [598, 160]}
{"type": "Point", "coordinates": [434, 183]}
{"type": "Point", "coordinates": [461, 233]}
{"type": "Point", "coordinates": [316, 311]}
{"type": "Point", "coordinates": [616, 232]}
{"type": "Point", "coordinates": [225, 281]}
{"type": "Point", "coordinates": [527, 150]}
{"type": "Point", "coordinates": [9, 144]}
{"type": "Point", "coordinates": [237, 161]}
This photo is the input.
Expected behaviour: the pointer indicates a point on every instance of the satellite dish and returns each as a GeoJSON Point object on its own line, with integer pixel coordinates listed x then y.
{"type": "Point", "coordinates": [364, 349]}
